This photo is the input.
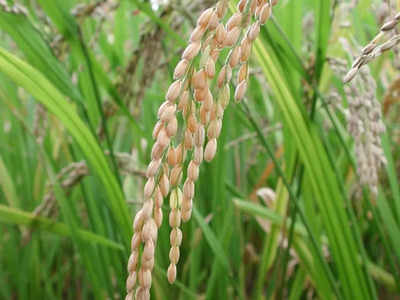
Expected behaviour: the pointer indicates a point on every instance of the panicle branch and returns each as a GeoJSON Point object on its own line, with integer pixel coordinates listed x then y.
{"type": "Point", "coordinates": [374, 49]}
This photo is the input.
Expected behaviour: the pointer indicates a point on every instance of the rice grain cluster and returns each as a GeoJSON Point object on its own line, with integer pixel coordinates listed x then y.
{"type": "Point", "coordinates": [374, 49]}
{"type": "Point", "coordinates": [199, 95]}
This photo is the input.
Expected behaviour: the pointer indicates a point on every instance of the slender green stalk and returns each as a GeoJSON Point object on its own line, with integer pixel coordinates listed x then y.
{"type": "Point", "coordinates": [294, 200]}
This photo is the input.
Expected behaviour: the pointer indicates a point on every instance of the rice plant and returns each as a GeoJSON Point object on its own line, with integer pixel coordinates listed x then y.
{"type": "Point", "coordinates": [199, 149]}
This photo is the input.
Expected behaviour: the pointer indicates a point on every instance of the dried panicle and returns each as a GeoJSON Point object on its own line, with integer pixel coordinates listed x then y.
{"type": "Point", "coordinates": [192, 96]}
{"type": "Point", "coordinates": [364, 122]}
{"type": "Point", "coordinates": [14, 9]}
{"type": "Point", "coordinates": [365, 125]}
{"type": "Point", "coordinates": [374, 49]}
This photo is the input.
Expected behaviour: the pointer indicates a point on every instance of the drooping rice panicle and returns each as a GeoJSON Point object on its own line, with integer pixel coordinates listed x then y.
{"type": "Point", "coordinates": [373, 49]}
{"type": "Point", "coordinates": [364, 122]}
{"type": "Point", "coordinates": [191, 96]}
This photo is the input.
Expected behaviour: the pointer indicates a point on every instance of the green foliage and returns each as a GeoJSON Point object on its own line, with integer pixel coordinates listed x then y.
{"type": "Point", "coordinates": [90, 76]}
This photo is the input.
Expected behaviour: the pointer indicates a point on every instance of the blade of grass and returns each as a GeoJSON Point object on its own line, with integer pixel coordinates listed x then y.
{"type": "Point", "coordinates": [322, 264]}
{"type": "Point", "coordinates": [212, 241]}
{"type": "Point", "coordinates": [323, 26]}
{"type": "Point", "coordinates": [7, 185]}
{"type": "Point", "coordinates": [391, 172]}
{"type": "Point", "coordinates": [11, 215]}
{"type": "Point", "coordinates": [325, 189]}
{"type": "Point", "coordinates": [35, 83]}
{"type": "Point", "coordinates": [300, 231]}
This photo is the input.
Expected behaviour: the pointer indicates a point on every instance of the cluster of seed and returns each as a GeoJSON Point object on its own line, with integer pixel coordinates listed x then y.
{"type": "Point", "coordinates": [364, 122]}
{"type": "Point", "coordinates": [190, 101]}
{"type": "Point", "coordinates": [366, 126]}
{"type": "Point", "coordinates": [373, 49]}
{"type": "Point", "coordinates": [14, 9]}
